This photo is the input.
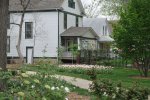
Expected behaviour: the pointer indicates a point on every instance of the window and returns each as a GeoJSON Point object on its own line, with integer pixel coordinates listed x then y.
{"type": "Point", "coordinates": [8, 43]}
{"type": "Point", "coordinates": [65, 21]}
{"type": "Point", "coordinates": [8, 21]}
{"type": "Point", "coordinates": [105, 30]}
{"type": "Point", "coordinates": [77, 22]}
{"type": "Point", "coordinates": [28, 30]}
{"type": "Point", "coordinates": [71, 4]}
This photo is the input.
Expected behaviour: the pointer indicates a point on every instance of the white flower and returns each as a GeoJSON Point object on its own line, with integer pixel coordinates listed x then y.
{"type": "Point", "coordinates": [67, 89]}
{"type": "Point", "coordinates": [12, 91]}
{"type": "Point", "coordinates": [62, 86]}
{"type": "Point", "coordinates": [26, 82]}
{"type": "Point", "coordinates": [117, 89]}
{"type": "Point", "coordinates": [32, 86]}
{"type": "Point", "coordinates": [114, 96]}
{"type": "Point", "coordinates": [57, 88]}
{"type": "Point", "coordinates": [47, 86]}
{"type": "Point", "coordinates": [104, 93]}
{"type": "Point", "coordinates": [36, 81]}
{"type": "Point", "coordinates": [66, 99]}
{"type": "Point", "coordinates": [24, 75]}
{"type": "Point", "coordinates": [21, 84]}
{"type": "Point", "coordinates": [21, 94]}
{"type": "Point", "coordinates": [127, 90]}
{"type": "Point", "coordinates": [44, 98]}
{"type": "Point", "coordinates": [53, 88]}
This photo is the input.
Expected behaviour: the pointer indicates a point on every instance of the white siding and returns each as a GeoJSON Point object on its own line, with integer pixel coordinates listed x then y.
{"type": "Point", "coordinates": [71, 21]}
{"type": "Point", "coordinates": [77, 9]}
{"type": "Point", "coordinates": [45, 29]}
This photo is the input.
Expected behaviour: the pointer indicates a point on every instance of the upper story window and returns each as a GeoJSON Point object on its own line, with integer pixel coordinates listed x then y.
{"type": "Point", "coordinates": [77, 22]}
{"type": "Point", "coordinates": [8, 43]}
{"type": "Point", "coordinates": [28, 30]}
{"type": "Point", "coordinates": [71, 4]}
{"type": "Point", "coordinates": [105, 30]}
{"type": "Point", "coordinates": [65, 20]}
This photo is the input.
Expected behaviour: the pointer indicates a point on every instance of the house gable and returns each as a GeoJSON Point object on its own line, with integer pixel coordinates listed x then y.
{"type": "Point", "coordinates": [79, 10]}
{"type": "Point", "coordinates": [89, 35]}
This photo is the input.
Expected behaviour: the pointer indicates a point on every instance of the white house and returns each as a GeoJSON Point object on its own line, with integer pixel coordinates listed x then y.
{"type": "Point", "coordinates": [44, 22]}
{"type": "Point", "coordinates": [102, 28]}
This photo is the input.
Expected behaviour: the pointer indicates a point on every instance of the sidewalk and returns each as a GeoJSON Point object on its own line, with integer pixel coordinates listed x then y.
{"type": "Point", "coordinates": [84, 84]}
{"type": "Point", "coordinates": [81, 83]}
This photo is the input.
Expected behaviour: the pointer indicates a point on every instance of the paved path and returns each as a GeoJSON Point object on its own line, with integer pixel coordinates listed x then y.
{"type": "Point", "coordinates": [81, 83]}
{"type": "Point", "coordinates": [84, 84]}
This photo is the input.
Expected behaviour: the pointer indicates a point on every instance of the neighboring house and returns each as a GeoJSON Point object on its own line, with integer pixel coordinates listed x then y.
{"type": "Point", "coordinates": [101, 27]}
{"type": "Point", "coordinates": [44, 22]}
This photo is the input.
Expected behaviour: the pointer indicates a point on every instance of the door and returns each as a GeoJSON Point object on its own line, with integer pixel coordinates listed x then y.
{"type": "Point", "coordinates": [29, 55]}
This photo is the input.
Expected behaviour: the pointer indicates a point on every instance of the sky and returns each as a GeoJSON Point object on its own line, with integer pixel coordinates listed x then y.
{"type": "Point", "coordinates": [100, 16]}
{"type": "Point", "coordinates": [88, 2]}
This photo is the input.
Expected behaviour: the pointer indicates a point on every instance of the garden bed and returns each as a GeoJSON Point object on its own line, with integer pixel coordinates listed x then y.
{"type": "Point", "coordinates": [85, 66]}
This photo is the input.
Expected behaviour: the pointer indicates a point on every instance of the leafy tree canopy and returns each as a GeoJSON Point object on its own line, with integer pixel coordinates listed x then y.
{"type": "Point", "coordinates": [132, 32]}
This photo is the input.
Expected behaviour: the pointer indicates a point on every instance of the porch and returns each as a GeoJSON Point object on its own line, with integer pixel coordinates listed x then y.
{"type": "Point", "coordinates": [76, 39]}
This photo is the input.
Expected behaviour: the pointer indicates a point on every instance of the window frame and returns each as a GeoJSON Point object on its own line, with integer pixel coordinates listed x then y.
{"type": "Point", "coordinates": [77, 21]}
{"type": "Point", "coordinates": [65, 20]}
{"type": "Point", "coordinates": [8, 44]}
{"type": "Point", "coordinates": [105, 30]}
{"type": "Point", "coordinates": [8, 21]}
{"type": "Point", "coordinates": [71, 4]}
{"type": "Point", "coordinates": [26, 37]}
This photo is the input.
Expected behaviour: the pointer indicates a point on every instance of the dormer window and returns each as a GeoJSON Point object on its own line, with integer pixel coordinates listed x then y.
{"type": "Point", "coordinates": [71, 4]}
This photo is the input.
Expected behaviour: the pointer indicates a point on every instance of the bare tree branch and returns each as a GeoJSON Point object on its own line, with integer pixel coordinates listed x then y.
{"type": "Point", "coordinates": [15, 24]}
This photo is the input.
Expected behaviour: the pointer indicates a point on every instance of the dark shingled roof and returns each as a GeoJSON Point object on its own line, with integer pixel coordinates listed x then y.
{"type": "Point", "coordinates": [14, 5]}
{"type": "Point", "coordinates": [78, 31]}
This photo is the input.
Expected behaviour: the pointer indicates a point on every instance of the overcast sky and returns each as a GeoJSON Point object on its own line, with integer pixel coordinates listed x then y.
{"type": "Point", "coordinates": [88, 2]}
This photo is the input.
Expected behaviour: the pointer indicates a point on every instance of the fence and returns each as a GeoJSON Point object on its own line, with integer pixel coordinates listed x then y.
{"type": "Point", "coordinates": [103, 57]}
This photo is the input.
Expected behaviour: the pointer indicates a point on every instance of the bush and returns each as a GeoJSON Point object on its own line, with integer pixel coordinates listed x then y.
{"type": "Point", "coordinates": [105, 88]}
{"type": "Point", "coordinates": [40, 87]}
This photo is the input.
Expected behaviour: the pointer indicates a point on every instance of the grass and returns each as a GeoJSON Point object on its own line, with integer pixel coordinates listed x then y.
{"type": "Point", "coordinates": [122, 75]}
{"type": "Point", "coordinates": [116, 75]}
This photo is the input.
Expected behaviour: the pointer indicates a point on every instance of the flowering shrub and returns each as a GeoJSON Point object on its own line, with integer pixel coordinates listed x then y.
{"type": "Point", "coordinates": [40, 87]}
{"type": "Point", "coordinates": [86, 66]}
{"type": "Point", "coordinates": [106, 89]}
{"type": "Point", "coordinates": [84, 69]}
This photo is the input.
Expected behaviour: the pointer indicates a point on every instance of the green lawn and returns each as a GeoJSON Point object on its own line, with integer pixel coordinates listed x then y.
{"type": "Point", "coordinates": [116, 75]}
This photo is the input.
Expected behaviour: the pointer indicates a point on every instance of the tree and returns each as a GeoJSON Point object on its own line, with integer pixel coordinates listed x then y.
{"type": "Point", "coordinates": [3, 32]}
{"type": "Point", "coordinates": [24, 5]}
{"type": "Point", "coordinates": [103, 7]}
{"type": "Point", "coordinates": [132, 33]}
{"type": "Point", "coordinates": [93, 9]}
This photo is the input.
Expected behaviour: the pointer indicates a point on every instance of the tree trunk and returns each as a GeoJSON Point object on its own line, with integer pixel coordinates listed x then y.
{"type": "Point", "coordinates": [24, 4]}
{"type": "Point", "coordinates": [3, 32]}
{"type": "Point", "coordinates": [18, 46]}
